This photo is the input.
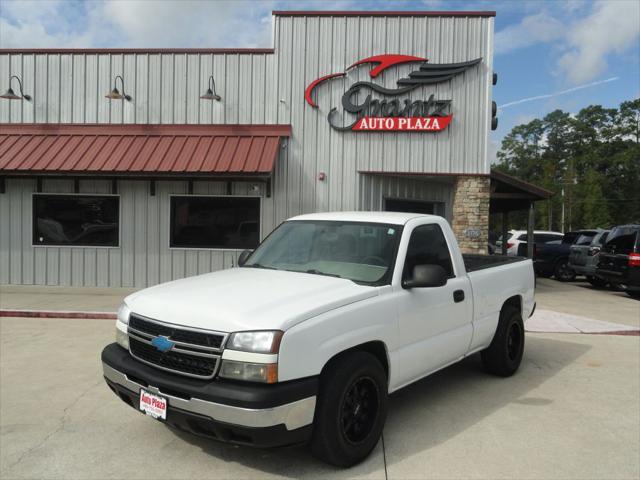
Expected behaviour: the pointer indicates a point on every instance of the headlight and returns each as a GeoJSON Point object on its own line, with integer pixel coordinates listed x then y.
{"type": "Point", "coordinates": [258, 364]}
{"type": "Point", "coordinates": [256, 342]}
{"type": "Point", "coordinates": [250, 372]}
{"type": "Point", "coordinates": [123, 314]}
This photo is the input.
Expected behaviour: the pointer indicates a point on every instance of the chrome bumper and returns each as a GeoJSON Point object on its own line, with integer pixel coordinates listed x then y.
{"type": "Point", "coordinates": [292, 415]}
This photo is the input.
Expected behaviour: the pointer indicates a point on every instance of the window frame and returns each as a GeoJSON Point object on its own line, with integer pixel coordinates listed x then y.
{"type": "Point", "coordinates": [453, 274]}
{"type": "Point", "coordinates": [73, 194]}
{"type": "Point", "coordinates": [210, 249]}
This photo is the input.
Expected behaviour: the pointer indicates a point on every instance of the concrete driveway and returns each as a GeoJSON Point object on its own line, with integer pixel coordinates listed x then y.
{"type": "Point", "coordinates": [571, 412]}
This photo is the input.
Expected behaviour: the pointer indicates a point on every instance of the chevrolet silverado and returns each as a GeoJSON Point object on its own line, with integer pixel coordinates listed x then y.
{"type": "Point", "coordinates": [304, 340]}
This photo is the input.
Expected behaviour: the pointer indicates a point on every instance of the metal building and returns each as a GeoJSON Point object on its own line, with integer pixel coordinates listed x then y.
{"type": "Point", "coordinates": [133, 167]}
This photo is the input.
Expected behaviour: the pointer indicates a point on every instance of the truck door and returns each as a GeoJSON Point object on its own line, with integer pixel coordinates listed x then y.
{"type": "Point", "coordinates": [435, 323]}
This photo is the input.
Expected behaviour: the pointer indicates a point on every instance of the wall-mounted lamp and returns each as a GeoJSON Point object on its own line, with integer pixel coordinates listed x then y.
{"type": "Point", "coordinates": [10, 95]}
{"type": "Point", "coordinates": [211, 94]}
{"type": "Point", "coordinates": [115, 93]}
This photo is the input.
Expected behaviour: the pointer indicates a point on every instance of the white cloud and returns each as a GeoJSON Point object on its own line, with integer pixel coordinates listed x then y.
{"type": "Point", "coordinates": [533, 29]}
{"type": "Point", "coordinates": [612, 27]}
{"type": "Point", "coordinates": [191, 23]}
{"type": "Point", "coordinates": [136, 23]}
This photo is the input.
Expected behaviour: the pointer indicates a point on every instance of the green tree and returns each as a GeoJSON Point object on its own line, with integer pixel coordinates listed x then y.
{"type": "Point", "coordinates": [592, 156]}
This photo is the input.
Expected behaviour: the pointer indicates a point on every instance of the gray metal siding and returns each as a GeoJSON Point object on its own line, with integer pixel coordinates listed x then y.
{"type": "Point", "coordinates": [143, 257]}
{"type": "Point", "coordinates": [375, 189]}
{"type": "Point", "coordinates": [255, 88]}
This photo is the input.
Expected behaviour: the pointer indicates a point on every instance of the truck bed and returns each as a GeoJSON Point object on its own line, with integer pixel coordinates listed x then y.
{"type": "Point", "coordinates": [474, 262]}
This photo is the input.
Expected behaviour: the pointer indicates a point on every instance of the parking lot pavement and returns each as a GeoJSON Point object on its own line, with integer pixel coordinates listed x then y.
{"type": "Point", "coordinates": [570, 412]}
{"type": "Point", "coordinates": [580, 298]}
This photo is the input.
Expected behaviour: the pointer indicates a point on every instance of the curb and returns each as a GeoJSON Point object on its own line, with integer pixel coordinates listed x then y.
{"type": "Point", "coordinates": [58, 314]}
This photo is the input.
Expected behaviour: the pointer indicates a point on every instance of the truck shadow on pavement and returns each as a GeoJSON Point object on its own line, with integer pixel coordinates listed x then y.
{"type": "Point", "coordinates": [422, 415]}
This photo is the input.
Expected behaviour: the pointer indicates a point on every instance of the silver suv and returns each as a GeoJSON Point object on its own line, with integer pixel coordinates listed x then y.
{"type": "Point", "coordinates": [583, 258]}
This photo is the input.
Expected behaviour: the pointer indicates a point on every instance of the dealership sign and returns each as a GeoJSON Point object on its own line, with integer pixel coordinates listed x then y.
{"type": "Point", "coordinates": [395, 114]}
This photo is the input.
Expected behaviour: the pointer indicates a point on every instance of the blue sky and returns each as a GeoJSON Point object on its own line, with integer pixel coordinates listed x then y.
{"type": "Point", "coordinates": [588, 49]}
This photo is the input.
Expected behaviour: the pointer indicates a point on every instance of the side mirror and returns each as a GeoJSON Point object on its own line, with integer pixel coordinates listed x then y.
{"type": "Point", "coordinates": [426, 276]}
{"type": "Point", "coordinates": [243, 257]}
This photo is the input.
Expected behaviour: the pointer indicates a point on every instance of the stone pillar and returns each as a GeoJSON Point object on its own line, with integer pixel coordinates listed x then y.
{"type": "Point", "coordinates": [471, 213]}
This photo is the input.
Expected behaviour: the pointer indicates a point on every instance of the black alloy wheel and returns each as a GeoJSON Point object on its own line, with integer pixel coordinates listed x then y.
{"type": "Point", "coordinates": [359, 409]}
{"type": "Point", "coordinates": [351, 408]}
{"type": "Point", "coordinates": [504, 354]}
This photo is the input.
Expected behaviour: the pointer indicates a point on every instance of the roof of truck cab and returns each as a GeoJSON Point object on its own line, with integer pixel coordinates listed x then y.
{"type": "Point", "coordinates": [394, 218]}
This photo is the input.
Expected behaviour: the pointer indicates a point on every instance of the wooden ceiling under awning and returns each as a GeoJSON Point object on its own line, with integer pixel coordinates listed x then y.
{"type": "Point", "coordinates": [140, 150]}
{"type": "Point", "coordinates": [510, 194]}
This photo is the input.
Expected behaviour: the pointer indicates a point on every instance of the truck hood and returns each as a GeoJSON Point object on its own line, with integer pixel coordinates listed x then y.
{"type": "Point", "coordinates": [246, 299]}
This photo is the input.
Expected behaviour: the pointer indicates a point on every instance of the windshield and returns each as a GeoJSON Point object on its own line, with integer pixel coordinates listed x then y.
{"type": "Point", "coordinates": [362, 252]}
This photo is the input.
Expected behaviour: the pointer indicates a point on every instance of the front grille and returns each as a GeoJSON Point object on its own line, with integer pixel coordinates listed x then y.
{"type": "Point", "coordinates": [195, 353]}
{"type": "Point", "coordinates": [212, 340]}
{"type": "Point", "coordinates": [178, 362]}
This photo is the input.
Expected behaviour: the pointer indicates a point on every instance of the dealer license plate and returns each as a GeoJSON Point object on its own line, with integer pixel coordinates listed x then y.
{"type": "Point", "coordinates": [153, 405]}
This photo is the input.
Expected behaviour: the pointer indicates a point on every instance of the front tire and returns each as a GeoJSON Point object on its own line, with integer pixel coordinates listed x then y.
{"type": "Point", "coordinates": [351, 409]}
{"type": "Point", "coordinates": [504, 355]}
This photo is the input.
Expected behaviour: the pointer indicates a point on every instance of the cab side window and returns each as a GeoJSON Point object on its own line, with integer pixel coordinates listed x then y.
{"type": "Point", "coordinates": [427, 246]}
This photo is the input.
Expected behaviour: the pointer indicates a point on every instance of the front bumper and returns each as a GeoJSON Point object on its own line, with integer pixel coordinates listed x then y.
{"type": "Point", "coordinates": [257, 415]}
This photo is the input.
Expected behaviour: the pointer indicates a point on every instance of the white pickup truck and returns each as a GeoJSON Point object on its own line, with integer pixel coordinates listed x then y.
{"type": "Point", "coordinates": [305, 340]}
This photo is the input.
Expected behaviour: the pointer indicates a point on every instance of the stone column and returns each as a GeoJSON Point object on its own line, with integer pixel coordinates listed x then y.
{"type": "Point", "coordinates": [471, 213]}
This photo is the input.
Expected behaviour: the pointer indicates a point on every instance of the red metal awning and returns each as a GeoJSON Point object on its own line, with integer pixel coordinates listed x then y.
{"type": "Point", "coordinates": [149, 150]}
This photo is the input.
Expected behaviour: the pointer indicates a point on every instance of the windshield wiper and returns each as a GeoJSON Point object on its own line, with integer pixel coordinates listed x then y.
{"type": "Point", "coordinates": [318, 272]}
{"type": "Point", "coordinates": [257, 265]}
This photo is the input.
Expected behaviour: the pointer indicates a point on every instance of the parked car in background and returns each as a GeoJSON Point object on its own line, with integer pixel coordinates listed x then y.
{"type": "Point", "coordinates": [518, 237]}
{"type": "Point", "coordinates": [553, 258]}
{"type": "Point", "coordinates": [619, 259]}
{"type": "Point", "coordinates": [583, 259]}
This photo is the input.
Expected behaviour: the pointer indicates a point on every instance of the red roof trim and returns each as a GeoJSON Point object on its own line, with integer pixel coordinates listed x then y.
{"type": "Point", "coordinates": [382, 13]}
{"type": "Point", "coordinates": [123, 150]}
{"type": "Point", "coordinates": [117, 51]}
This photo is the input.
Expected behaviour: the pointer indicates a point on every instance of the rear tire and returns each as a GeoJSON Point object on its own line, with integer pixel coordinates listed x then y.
{"type": "Point", "coordinates": [563, 272]}
{"type": "Point", "coordinates": [504, 355]}
{"type": "Point", "coordinates": [633, 294]}
{"type": "Point", "coordinates": [351, 409]}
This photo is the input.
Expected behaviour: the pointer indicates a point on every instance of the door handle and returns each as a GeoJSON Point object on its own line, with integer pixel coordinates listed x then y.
{"type": "Point", "coordinates": [458, 296]}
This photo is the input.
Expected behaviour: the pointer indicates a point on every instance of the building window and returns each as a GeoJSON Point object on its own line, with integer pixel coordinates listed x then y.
{"type": "Point", "coordinates": [413, 206]}
{"type": "Point", "coordinates": [76, 220]}
{"type": "Point", "coordinates": [215, 222]}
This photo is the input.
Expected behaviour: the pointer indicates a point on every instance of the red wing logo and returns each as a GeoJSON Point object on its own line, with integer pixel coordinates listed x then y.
{"type": "Point", "coordinates": [385, 61]}
{"type": "Point", "coordinates": [312, 85]}
{"type": "Point", "coordinates": [431, 114]}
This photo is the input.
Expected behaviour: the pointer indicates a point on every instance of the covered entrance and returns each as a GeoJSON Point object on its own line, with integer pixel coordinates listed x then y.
{"type": "Point", "coordinates": [509, 194]}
